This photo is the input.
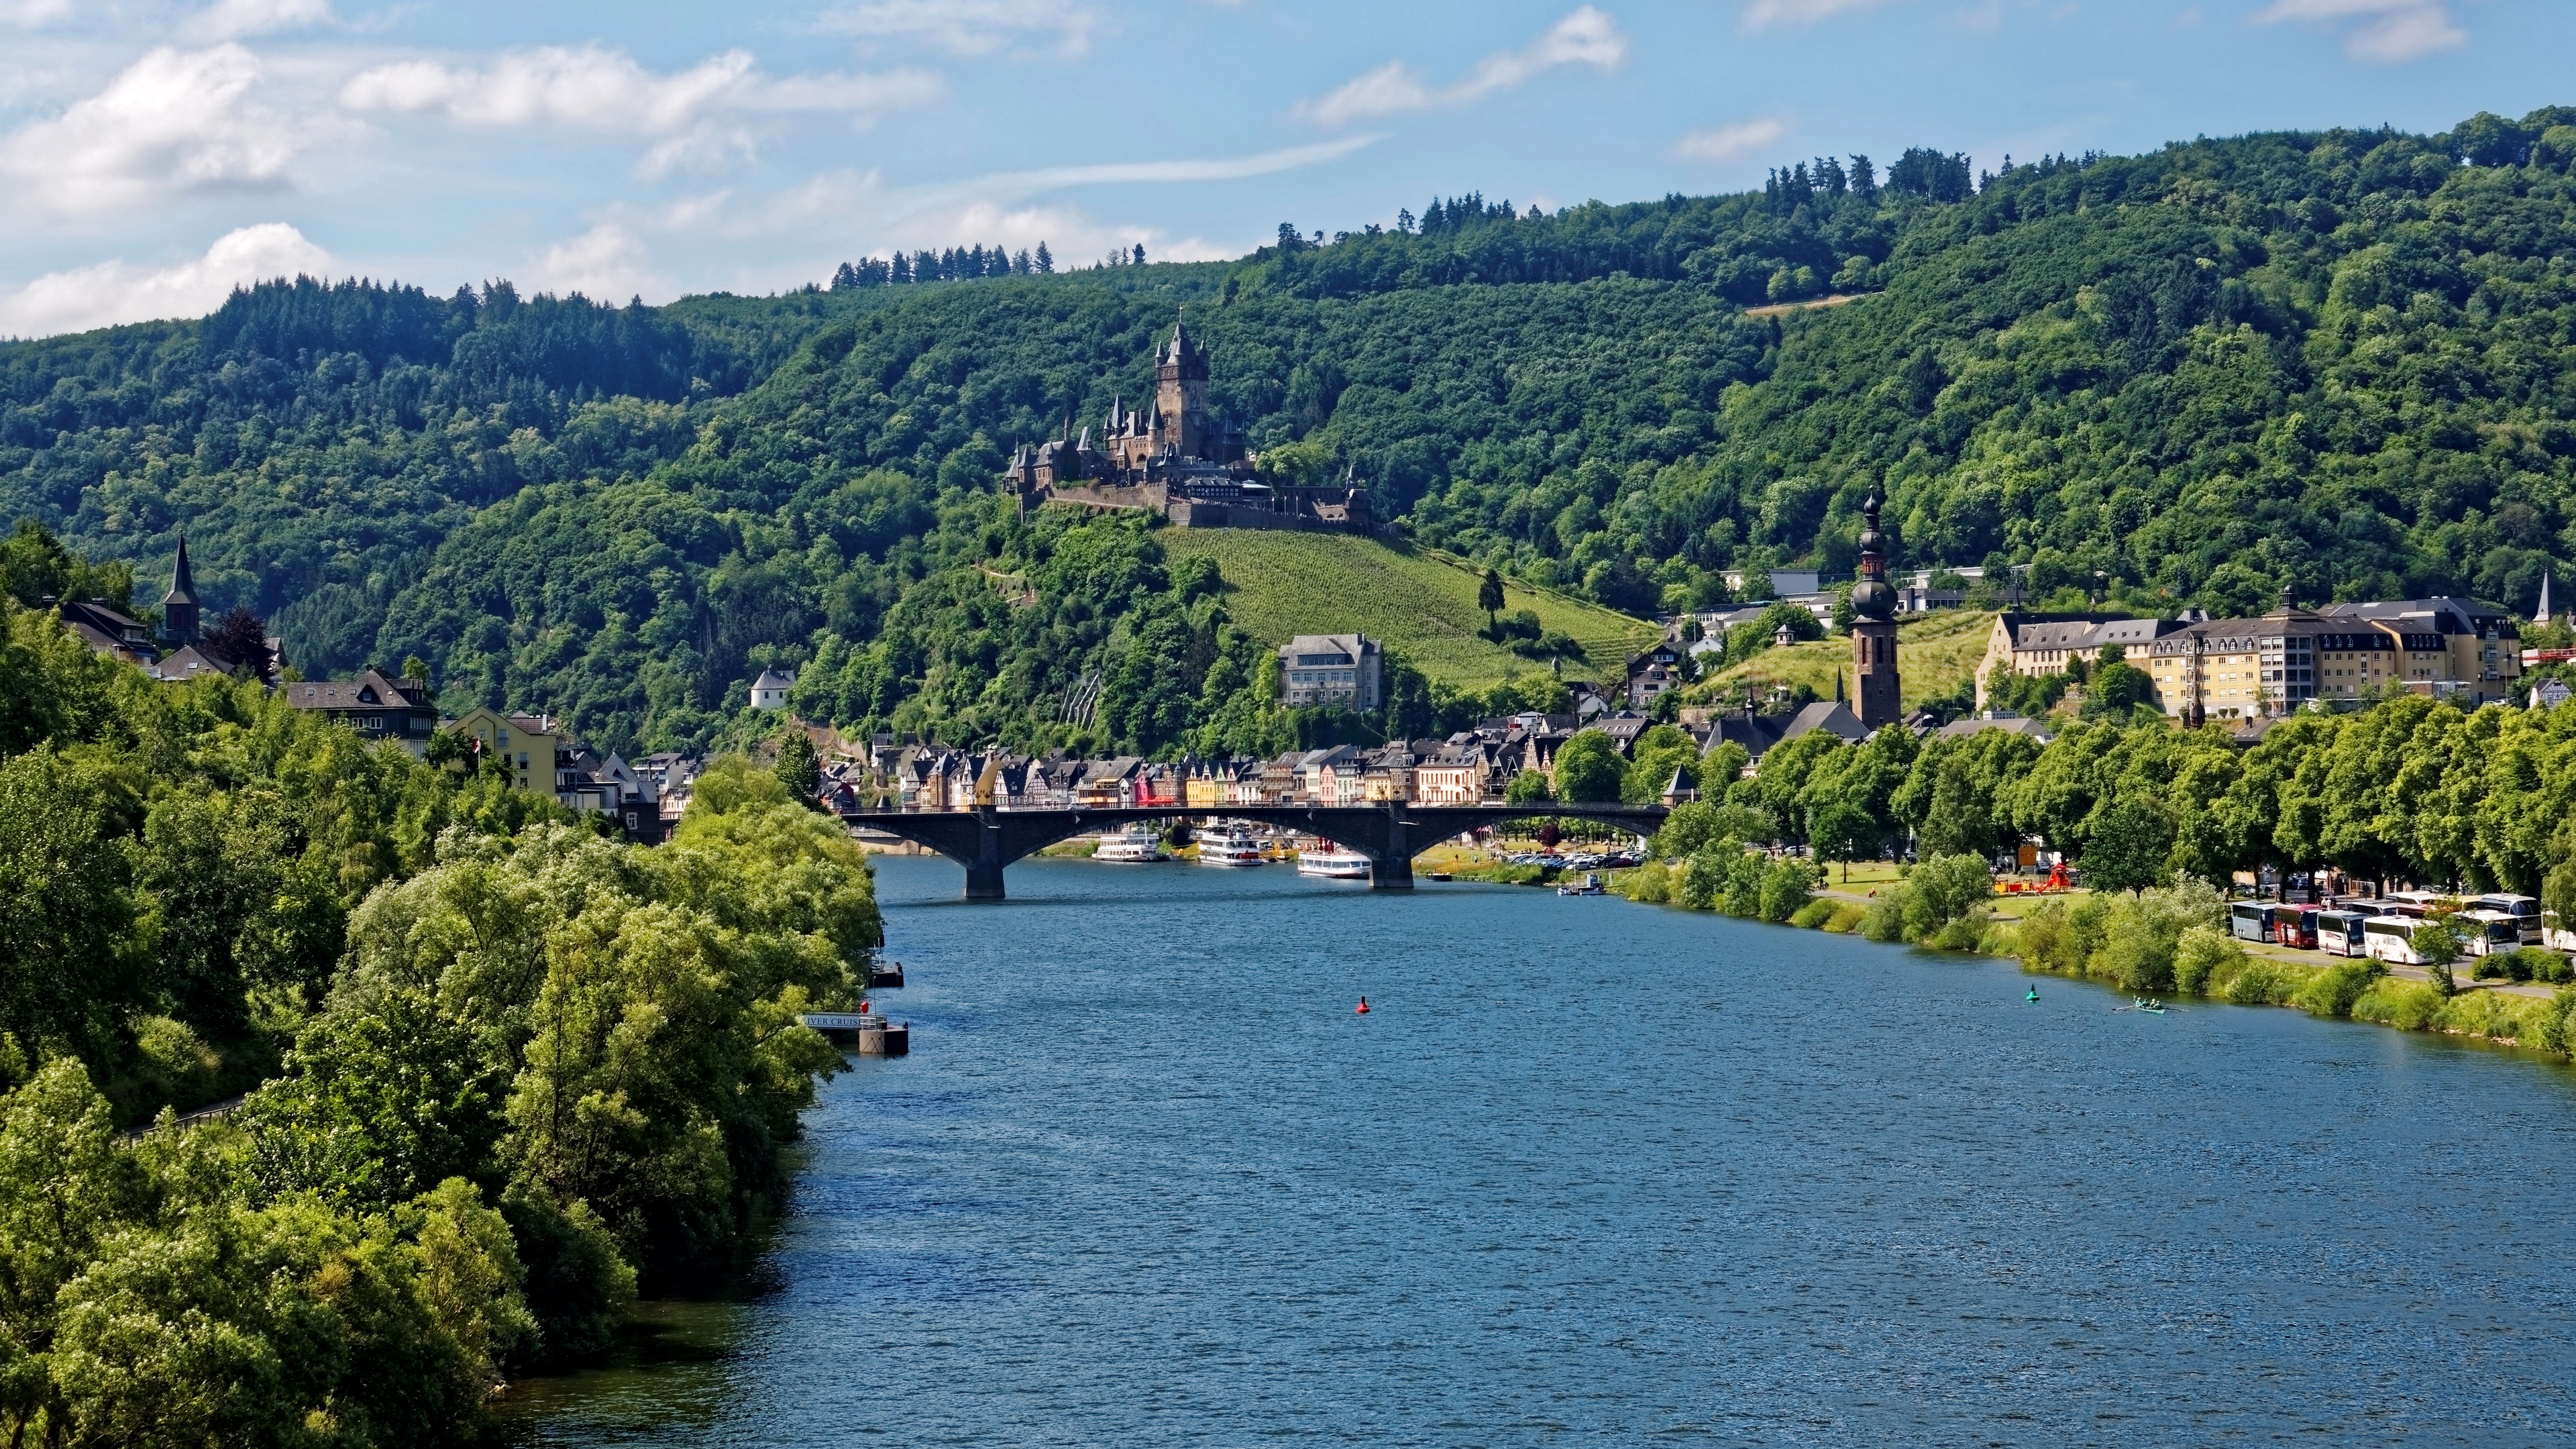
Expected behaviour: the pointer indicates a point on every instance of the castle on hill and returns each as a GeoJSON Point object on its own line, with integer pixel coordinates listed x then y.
{"type": "Point", "coordinates": [1177, 459]}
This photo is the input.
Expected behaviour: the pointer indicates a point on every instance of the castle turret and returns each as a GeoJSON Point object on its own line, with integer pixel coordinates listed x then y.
{"type": "Point", "coordinates": [1874, 626]}
{"type": "Point", "coordinates": [1180, 396]}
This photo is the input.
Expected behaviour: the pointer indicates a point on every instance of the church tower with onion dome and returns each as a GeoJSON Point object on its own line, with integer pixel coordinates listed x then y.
{"type": "Point", "coordinates": [1874, 627]}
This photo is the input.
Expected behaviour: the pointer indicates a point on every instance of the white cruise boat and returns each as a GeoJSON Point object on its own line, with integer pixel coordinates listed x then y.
{"type": "Point", "coordinates": [1133, 846]}
{"type": "Point", "coordinates": [1328, 859]}
{"type": "Point", "coordinates": [1229, 847]}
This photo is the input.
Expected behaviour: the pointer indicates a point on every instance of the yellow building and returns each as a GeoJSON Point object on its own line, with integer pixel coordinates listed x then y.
{"type": "Point", "coordinates": [522, 746]}
{"type": "Point", "coordinates": [2242, 669]}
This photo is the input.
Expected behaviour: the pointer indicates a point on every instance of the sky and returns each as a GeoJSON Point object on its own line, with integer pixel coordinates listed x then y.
{"type": "Point", "coordinates": [153, 156]}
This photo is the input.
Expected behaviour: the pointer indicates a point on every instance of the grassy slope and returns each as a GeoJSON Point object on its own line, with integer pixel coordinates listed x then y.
{"type": "Point", "coordinates": [1933, 654]}
{"type": "Point", "coordinates": [1421, 604]}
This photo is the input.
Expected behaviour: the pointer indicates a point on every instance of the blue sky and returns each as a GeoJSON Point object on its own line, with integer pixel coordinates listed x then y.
{"type": "Point", "coordinates": [152, 155]}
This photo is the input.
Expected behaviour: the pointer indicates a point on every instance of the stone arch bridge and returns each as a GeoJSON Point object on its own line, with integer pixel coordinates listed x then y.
{"type": "Point", "coordinates": [984, 840]}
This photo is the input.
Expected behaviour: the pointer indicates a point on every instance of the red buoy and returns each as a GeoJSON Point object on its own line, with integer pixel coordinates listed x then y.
{"type": "Point", "coordinates": [1363, 1011]}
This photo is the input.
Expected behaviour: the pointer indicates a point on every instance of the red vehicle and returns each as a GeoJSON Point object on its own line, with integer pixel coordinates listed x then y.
{"type": "Point", "coordinates": [2293, 926]}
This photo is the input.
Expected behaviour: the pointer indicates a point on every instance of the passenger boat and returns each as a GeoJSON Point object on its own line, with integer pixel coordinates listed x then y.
{"type": "Point", "coordinates": [1132, 846]}
{"type": "Point", "coordinates": [1591, 886]}
{"type": "Point", "coordinates": [1229, 847]}
{"type": "Point", "coordinates": [1330, 860]}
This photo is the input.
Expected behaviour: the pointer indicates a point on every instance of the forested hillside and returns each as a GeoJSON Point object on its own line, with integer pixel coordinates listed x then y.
{"type": "Point", "coordinates": [2338, 361]}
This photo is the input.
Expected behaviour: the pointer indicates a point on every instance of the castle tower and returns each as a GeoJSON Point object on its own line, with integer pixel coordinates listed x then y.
{"type": "Point", "coordinates": [1874, 626]}
{"type": "Point", "coordinates": [179, 606]}
{"type": "Point", "coordinates": [1180, 396]}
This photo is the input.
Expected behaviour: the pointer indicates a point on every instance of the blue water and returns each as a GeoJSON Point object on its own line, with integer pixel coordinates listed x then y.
{"type": "Point", "coordinates": [1601, 1172]}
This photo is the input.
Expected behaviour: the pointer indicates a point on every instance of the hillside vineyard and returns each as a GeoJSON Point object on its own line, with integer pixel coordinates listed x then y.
{"type": "Point", "coordinates": [2323, 361]}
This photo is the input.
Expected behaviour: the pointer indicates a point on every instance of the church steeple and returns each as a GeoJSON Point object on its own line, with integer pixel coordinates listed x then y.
{"type": "Point", "coordinates": [1873, 606]}
{"type": "Point", "coordinates": [179, 606]}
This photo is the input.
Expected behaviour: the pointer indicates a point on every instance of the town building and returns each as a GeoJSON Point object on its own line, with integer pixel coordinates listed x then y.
{"type": "Point", "coordinates": [521, 746]}
{"type": "Point", "coordinates": [378, 705]}
{"type": "Point", "coordinates": [1785, 583]}
{"type": "Point", "coordinates": [2040, 645]}
{"type": "Point", "coordinates": [1655, 673]}
{"type": "Point", "coordinates": [1178, 459]}
{"type": "Point", "coordinates": [1873, 629]}
{"type": "Point", "coordinates": [769, 691]}
{"type": "Point", "coordinates": [1318, 669]}
{"type": "Point", "coordinates": [107, 630]}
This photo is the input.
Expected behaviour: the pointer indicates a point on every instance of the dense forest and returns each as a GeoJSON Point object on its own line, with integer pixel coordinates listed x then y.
{"type": "Point", "coordinates": [2334, 361]}
{"type": "Point", "coordinates": [501, 1072]}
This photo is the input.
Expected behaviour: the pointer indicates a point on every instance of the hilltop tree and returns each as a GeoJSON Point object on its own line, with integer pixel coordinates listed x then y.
{"type": "Point", "coordinates": [1489, 597]}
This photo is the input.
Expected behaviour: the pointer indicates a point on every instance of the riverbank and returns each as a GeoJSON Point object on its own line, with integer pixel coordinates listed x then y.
{"type": "Point", "coordinates": [2080, 935]}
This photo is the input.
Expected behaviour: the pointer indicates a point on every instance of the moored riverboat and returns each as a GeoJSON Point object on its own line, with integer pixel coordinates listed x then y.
{"type": "Point", "coordinates": [1333, 862]}
{"type": "Point", "coordinates": [1135, 845]}
{"type": "Point", "coordinates": [1229, 847]}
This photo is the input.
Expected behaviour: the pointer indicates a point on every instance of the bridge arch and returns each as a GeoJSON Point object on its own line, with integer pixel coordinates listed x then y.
{"type": "Point", "coordinates": [984, 840]}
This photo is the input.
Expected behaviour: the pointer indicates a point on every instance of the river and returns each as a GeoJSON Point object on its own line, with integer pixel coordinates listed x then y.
{"type": "Point", "coordinates": [1603, 1172]}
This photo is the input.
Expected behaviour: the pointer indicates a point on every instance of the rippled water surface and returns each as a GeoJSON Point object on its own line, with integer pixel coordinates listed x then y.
{"type": "Point", "coordinates": [1604, 1172]}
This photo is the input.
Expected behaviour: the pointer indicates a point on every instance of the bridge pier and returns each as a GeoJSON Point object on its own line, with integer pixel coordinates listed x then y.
{"type": "Point", "coordinates": [984, 880]}
{"type": "Point", "coordinates": [1394, 873]}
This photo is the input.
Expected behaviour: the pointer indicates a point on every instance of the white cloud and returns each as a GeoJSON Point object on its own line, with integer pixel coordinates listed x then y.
{"type": "Point", "coordinates": [1586, 37]}
{"type": "Point", "coordinates": [232, 19]}
{"type": "Point", "coordinates": [31, 13]}
{"type": "Point", "coordinates": [2390, 30]}
{"type": "Point", "coordinates": [1763, 14]}
{"type": "Point", "coordinates": [172, 122]}
{"type": "Point", "coordinates": [972, 27]}
{"type": "Point", "coordinates": [607, 263]}
{"type": "Point", "coordinates": [113, 292]}
{"type": "Point", "coordinates": [1730, 142]}
{"type": "Point", "coordinates": [591, 88]}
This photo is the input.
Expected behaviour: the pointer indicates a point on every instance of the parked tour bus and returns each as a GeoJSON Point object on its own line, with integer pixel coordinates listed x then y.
{"type": "Point", "coordinates": [2414, 904]}
{"type": "Point", "coordinates": [2339, 932]}
{"type": "Point", "coordinates": [2488, 932]}
{"type": "Point", "coordinates": [2293, 926]}
{"type": "Point", "coordinates": [2524, 910]}
{"type": "Point", "coordinates": [2390, 939]}
{"type": "Point", "coordinates": [2250, 921]}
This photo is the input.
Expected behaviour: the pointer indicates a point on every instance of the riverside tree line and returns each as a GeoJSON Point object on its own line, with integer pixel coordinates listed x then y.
{"type": "Point", "coordinates": [2411, 790]}
{"type": "Point", "coordinates": [500, 1070]}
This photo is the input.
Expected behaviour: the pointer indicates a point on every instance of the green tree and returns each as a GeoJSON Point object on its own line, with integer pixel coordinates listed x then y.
{"type": "Point", "coordinates": [1588, 768]}
{"type": "Point", "coordinates": [798, 768]}
{"type": "Point", "coordinates": [2438, 945]}
{"type": "Point", "coordinates": [1489, 597]}
{"type": "Point", "coordinates": [2130, 849]}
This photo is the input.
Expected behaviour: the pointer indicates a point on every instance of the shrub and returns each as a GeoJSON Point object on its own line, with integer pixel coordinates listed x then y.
{"type": "Point", "coordinates": [2143, 931]}
{"type": "Point", "coordinates": [1944, 889]}
{"type": "Point", "coordinates": [1846, 917]}
{"type": "Point", "coordinates": [2333, 991]}
{"type": "Point", "coordinates": [1650, 884]}
{"type": "Point", "coordinates": [1744, 877]}
{"type": "Point", "coordinates": [1787, 887]}
{"type": "Point", "coordinates": [1814, 914]}
{"type": "Point", "coordinates": [2406, 1005]}
{"type": "Point", "coordinates": [2203, 955]}
{"type": "Point", "coordinates": [1884, 918]}
{"type": "Point", "coordinates": [2040, 938]}
{"type": "Point", "coordinates": [1704, 878]}
{"type": "Point", "coordinates": [2263, 983]}
{"type": "Point", "coordinates": [2088, 924]}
